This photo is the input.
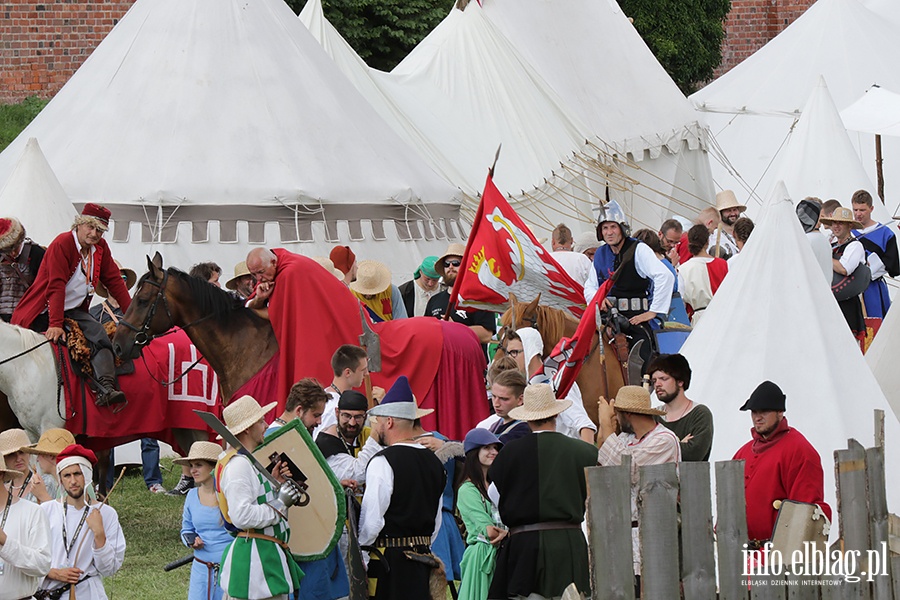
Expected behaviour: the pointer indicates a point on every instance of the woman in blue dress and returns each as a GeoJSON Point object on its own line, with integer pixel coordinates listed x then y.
{"type": "Point", "coordinates": [202, 526]}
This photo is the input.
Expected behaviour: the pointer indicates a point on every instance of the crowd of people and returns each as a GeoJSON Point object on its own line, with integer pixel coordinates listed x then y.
{"type": "Point", "coordinates": [516, 481]}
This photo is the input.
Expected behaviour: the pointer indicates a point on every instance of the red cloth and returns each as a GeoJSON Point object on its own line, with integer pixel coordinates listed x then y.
{"type": "Point", "coordinates": [458, 394]}
{"type": "Point", "coordinates": [787, 469]}
{"type": "Point", "coordinates": [49, 288]}
{"type": "Point", "coordinates": [312, 313]}
{"type": "Point", "coordinates": [684, 253]}
{"type": "Point", "coordinates": [152, 410]}
{"type": "Point", "coordinates": [263, 386]}
{"type": "Point", "coordinates": [717, 269]}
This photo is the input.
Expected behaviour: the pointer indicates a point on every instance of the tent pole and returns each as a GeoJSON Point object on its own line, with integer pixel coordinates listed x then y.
{"type": "Point", "coordinates": [879, 169]}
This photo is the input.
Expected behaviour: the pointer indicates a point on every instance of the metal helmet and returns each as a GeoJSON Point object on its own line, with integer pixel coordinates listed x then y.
{"type": "Point", "coordinates": [611, 212]}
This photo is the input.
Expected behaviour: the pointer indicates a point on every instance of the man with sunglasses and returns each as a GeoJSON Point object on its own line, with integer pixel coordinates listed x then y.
{"type": "Point", "coordinates": [482, 322]}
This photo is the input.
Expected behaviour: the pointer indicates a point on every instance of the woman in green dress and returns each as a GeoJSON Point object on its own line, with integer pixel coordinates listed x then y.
{"type": "Point", "coordinates": [481, 517]}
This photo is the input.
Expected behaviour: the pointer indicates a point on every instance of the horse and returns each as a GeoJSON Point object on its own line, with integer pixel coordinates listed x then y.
{"type": "Point", "coordinates": [601, 374]}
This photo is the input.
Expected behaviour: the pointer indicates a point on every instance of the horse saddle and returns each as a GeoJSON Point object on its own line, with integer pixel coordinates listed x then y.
{"type": "Point", "coordinates": [80, 351]}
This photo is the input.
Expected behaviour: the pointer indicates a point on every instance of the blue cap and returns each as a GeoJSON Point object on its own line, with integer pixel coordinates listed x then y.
{"type": "Point", "coordinates": [478, 438]}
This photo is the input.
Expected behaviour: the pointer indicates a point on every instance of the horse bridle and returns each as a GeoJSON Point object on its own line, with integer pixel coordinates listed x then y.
{"type": "Point", "coordinates": [143, 336]}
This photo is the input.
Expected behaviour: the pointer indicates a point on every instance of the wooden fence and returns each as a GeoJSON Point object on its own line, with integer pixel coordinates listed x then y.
{"type": "Point", "coordinates": [683, 562]}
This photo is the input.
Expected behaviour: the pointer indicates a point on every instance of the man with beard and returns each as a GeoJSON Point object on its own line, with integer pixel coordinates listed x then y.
{"type": "Point", "coordinates": [482, 322]}
{"type": "Point", "coordinates": [306, 401]}
{"type": "Point", "coordinates": [641, 437]}
{"type": "Point", "coordinates": [691, 422]}
{"type": "Point", "coordinates": [723, 236]}
{"type": "Point", "coordinates": [86, 540]}
{"type": "Point", "coordinates": [780, 464]}
{"type": "Point", "coordinates": [242, 283]}
{"type": "Point", "coordinates": [347, 444]}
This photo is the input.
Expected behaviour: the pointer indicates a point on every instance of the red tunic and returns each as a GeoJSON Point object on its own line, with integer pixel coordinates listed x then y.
{"type": "Point", "coordinates": [785, 467]}
{"type": "Point", "coordinates": [49, 288]}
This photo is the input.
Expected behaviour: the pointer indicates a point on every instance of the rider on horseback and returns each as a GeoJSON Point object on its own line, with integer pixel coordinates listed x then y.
{"type": "Point", "coordinates": [75, 263]}
{"type": "Point", "coordinates": [642, 290]}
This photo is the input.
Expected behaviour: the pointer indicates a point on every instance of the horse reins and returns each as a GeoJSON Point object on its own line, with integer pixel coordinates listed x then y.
{"type": "Point", "coordinates": [23, 353]}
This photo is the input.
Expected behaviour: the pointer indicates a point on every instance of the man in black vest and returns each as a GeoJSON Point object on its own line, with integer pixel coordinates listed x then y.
{"type": "Point", "coordinates": [643, 287]}
{"type": "Point", "coordinates": [401, 509]}
{"type": "Point", "coordinates": [346, 445]}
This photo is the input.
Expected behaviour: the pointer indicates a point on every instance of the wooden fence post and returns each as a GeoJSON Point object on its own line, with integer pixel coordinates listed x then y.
{"type": "Point", "coordinates": [850, 467]}
{"type": "Point", "coordinates": [731, 529]}
{"type": "Point", "coordinates": [698, 567]}
{"type": "Point", "coordinates": [609, 531]}
{"type": "Point", "coordinates": [657, 507]}
{"type": "Point", "coordinates": [880, 573]}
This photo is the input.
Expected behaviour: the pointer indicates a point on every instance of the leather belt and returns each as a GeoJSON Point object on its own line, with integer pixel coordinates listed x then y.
{"type": "Point", "coordinates": [545, 526]}
{"type": "Point", "coordinates": [261, 536]}
{"type": "Point", "coordinates": [403, 542]}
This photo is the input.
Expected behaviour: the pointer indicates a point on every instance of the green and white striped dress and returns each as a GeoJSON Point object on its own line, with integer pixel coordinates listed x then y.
{"type": "Point", "coordinates": [253, 568]}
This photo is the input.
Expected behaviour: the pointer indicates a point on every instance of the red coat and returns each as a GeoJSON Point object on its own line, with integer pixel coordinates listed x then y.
{"type": "Point", "coordinates": [788, 468]}
{"type": "Point", "coordinates": [49, 288]}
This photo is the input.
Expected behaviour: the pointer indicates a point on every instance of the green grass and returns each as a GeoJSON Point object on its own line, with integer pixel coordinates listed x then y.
{"type": "Point", "coordinates": [151, 523]}
{"type": "Point", "coordinates": [15, 117]}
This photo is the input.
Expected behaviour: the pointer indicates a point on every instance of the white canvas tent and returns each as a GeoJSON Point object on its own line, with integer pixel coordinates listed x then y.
{"type": "Point", "coordinates": [751, 109]}
{"type": "Point", "coordinates": [889, 9]}
{"type": "Point", "coordinates": [819, 159]}
{"type": "Point", "coordinates": [877, 112]}
{"type": "Point", "coordinates": [33, 195]}
{"type": "Point", "coordinates": [772, 319]}
{"type": "Point", "coordinates": [593, 57]}
{"type": "Point", "coordinates": [882, 358]}
{"type": "Point", "coordinates": [197, 112]}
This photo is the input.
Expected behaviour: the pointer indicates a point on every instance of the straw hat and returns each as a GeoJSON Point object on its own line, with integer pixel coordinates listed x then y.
{"type": "Point", "coordinates": [726, 199]}
{"type": "Point", "coordinates": [52, 442]}
{"type": "Point", "coordinates": [240, 270]}
{"type": "Point", "coordinates": [244, 412]}
{"type": "Point", "coordinates": [208, 451]}
{"type": "Point", "coordinates": [10, 473]}
{"type": "Point", "coordinates": [328, 265]}
{"type": "Point", "coordinates": [539, 403]}
{"type": "Point", "coordinates": [842, 215]}
{"type": "Point", "coordinates": [635, 399]}
{"type": "Point", "coordinates": [372, 277]}
{"type": "Point", "coordinates": [452, 250]}
{"type": "Point", "coordinates": [13, 440]}
{"type": "Point", "coordinates": [129, 275]}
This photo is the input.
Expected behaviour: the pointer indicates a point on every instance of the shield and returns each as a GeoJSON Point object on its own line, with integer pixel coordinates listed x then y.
{"type": "Point", "coordinates": [316, 525]}
{"type": "Point", "coordinates": [845, 287]}
{"type": "Point", "coordinates": [798, 523]}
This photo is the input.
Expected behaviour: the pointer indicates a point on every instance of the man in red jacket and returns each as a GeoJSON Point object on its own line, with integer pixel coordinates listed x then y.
{"type": "Point", "coordinates": [75, 262]}
{"type": "Point", "coordinates": [780, 464]}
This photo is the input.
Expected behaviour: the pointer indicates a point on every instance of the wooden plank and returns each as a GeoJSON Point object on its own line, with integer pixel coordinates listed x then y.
{"type": "Point", "coordinates": [831, 592]}
{"type": "Point", "coordinates": [657, 507]}
{"type": "Point", "coordinates": [878, 522]}
{"type": "Point", "coordinates": [802, 588]}
{"type": "Point", "coordinates": [879, 428]}
{"type": "Point", "coordinates": [698, 566]}
{"type": "Point", "coordinates": [850, 465]}
{"type": "Point", "coordinates": [731, 529]}
{"type": "Point", "coordinates": [609, 531]}
{"type": "Point", "coordinates": [895, 575]}
{"type": "Point", "coordinates": [767, 587]}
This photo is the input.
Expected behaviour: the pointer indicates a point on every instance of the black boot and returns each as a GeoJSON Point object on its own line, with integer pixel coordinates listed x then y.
{"type": "Point", "coordinates": [105, 374]}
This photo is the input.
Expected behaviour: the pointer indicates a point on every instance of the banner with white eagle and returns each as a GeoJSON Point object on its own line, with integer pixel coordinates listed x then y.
{"type": "Point", "coordinates": [503, 257]}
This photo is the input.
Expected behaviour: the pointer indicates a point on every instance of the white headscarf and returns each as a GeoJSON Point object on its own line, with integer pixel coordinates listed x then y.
{"type": "Point", "coordinates": [532, 344]}
{"type": "Point", "coordinates": [86, 469]}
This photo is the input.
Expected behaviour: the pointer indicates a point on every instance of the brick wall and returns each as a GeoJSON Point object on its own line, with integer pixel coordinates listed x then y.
{"type": "Point", "coordinates": [43, 43]}
{"type": "Point", "coordinates": [752, 23]}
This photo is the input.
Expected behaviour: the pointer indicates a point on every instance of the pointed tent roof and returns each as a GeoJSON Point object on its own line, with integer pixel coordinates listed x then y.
{"type": "Point", "coordinates": [33, 195]}
{"type": "Point", "coordinates": [819, 160]}
{"type": "Point", "coordinates": [774, 318]}
{"type": "Point", "coordinates": [229, 110]}
{"type": "Point", "coordinates": [878, 111]}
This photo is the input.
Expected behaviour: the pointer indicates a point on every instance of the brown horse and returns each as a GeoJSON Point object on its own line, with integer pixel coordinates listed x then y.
{"type": "Point", "coordinates": [601, 374]}
{"type": "Point", "coordinates": [216, 322]}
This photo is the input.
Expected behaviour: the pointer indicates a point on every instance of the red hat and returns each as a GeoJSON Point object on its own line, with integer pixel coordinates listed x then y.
{"type": "Point", "coordinates": [11, 233]}
{"type": "Point", "coordinates": [76, 451]}
{"type": "Point", "coordinates": [101, 213]}
{"type": "Point", "coordinates": [343, 258]}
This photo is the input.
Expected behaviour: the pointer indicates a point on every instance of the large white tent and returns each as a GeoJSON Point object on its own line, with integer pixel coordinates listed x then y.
{"type": "Point", "coordinates": [877, 112]}
{"type": "Point", "coordinates": [890, 9]}
{"type": "Point", "coordinates": [194, 112]}
{"type": "Point", "coordinates": [882, 358]}
{"type": "Point", "coordinates": [33, 195]}
{"type": "Point", "coordinates": [772, 319]}
{"type": "Point", "coordinates": [593, 57]}
{"type": "Point", "coordinates": [752, 108]}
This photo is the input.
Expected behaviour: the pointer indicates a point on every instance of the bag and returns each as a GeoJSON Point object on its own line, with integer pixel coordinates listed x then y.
{"type": "Point", "coordinates": [845, 287]}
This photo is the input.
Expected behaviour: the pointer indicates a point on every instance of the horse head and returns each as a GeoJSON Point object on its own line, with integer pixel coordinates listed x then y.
{"type": "Point", "coordinates": [149, 313]}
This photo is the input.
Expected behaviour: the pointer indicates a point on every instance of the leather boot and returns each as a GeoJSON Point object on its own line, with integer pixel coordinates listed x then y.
{"type": "Point", "coordinates": [105, 373]}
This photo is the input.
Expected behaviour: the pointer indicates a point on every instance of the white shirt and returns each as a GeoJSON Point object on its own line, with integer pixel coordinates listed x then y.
{"type": "Point", "coordinates": [580, 268]}
{"type": "Point", "coordinates": [727, 242]}
{"type": "Point", "coordinates": [97, 563]}
{"type": "Point", "coordinates": [853, 256]}
{"type": "Point", "coordinates": [77, 287]}
{"type": "Point", "coordinates": [377, 499]}
{"type": "Point", "coordinates": [422, 297]}
{"type": "Point", "coordinates": [241, 486]}
{"type": "Point", "coordinates": [329, 417]}
{"type": "Point", "coordinates": [649, 266]}
{"type": "Point", "coordinates": [571, 421]}
{"type": "Point", "coordinates": [26, 553]}
{"type": "Point", "coordinates": [345, 466]}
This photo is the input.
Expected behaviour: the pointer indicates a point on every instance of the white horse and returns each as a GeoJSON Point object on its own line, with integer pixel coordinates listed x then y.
{"type": "Point", "coordinates": [29, 381]}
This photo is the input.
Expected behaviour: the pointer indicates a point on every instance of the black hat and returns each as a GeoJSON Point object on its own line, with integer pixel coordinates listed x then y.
{"type": "Point", "coordinates": [353, 400]}
{"type": "Point", "coordinates": [766, 396]}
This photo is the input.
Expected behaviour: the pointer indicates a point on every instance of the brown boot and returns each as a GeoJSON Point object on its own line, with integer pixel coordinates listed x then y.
{"type": "Point", "coordinates": [105, 371]}
{"type": "Point", "coordinates": [107, 394]}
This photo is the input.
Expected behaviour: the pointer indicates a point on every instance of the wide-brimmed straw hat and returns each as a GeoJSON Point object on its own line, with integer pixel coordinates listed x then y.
{"type": "Point", "coordinates": [9, 473]}
{"type": "Point", "coordinates": [240, 270]}
{"type": "Point", "coordinates": [208, 451]}
{"type": "Point", "coordinates": [244, 412]}
{"type": "Point", "coordinates": [452, 250]}
{"type": "Point", "coordinates": [726, 199]}
{"type": "Point", "coordinates": [129, 275]}
{"type": "Point", "coordinates": [635, 399]}
{"type": "Point", "coordinates": [328, 265]}
{"type": "Point", "coordinates": [842, 215]}
{"type": "Point", "coordinates": [539, 403]}
{"type": "Point", "coordinates": [372, 277]}
{"type": "Point", "coordinates": [52, 442]}
{"type": "Point", "coordinates": [13, 440]}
